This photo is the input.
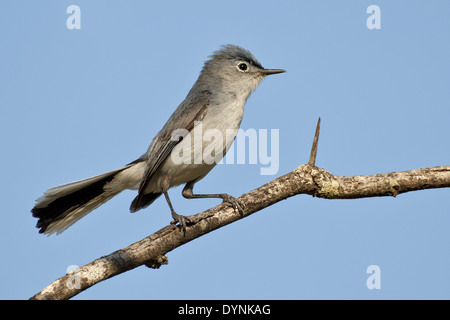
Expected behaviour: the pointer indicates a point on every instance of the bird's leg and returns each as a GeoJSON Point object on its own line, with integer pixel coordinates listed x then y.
{"type": "Point", "coordinates": [188, 193]}
{"type": "Point", "coordinates": [176, 217]}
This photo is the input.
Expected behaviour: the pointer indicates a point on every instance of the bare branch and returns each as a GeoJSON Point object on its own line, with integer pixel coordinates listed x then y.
{"type": "Point", "coordinates": [303, 180]}
{"type": "Point", "coordinates": [306, 179]}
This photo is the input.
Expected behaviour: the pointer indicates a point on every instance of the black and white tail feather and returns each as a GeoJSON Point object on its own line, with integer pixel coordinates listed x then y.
{"type": "Point", "coordinates": [62, 206]}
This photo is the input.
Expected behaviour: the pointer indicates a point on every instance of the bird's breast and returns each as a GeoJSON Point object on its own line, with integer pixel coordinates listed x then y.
{"type": "Point", "coordinates": [224, 115]}
{"type": "Point", "coordinates": [205, 145]}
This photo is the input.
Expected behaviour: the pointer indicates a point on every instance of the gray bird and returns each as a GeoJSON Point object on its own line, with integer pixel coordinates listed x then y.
{"type": "Point", "coordinates": [216, 101]}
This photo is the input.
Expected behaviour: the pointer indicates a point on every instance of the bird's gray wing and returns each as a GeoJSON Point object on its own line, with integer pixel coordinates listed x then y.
{"type": "Point", "coordinates": [190, 111]}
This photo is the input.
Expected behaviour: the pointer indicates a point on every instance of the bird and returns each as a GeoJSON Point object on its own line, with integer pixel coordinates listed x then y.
{"type": "Point", "coordinates": [216, 101]}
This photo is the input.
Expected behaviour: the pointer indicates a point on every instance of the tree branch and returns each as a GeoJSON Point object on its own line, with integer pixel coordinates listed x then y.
{"type": "Point", "coordinates": [306, 179]}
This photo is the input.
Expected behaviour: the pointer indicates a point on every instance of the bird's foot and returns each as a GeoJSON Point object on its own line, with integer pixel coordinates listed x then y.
{"type": "Point", "coordinates": [235, 203]}
{"type": "Point", "coordinates": [182, 220]}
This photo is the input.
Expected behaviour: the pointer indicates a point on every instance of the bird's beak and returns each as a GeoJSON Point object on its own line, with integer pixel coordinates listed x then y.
{"type": "Point", "coordinates": [267, 72]}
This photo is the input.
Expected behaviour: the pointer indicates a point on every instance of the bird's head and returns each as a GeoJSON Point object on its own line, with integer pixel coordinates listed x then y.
{"type": "Point", "coordinates": [235, 69]}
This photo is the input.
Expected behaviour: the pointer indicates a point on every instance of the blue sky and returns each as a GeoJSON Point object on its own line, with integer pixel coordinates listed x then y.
{"type": "Point", "coordinates": [76, 103]}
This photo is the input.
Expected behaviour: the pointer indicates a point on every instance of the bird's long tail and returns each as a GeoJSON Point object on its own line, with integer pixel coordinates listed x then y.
{"type": "Point", "coordinates": [62, 206]}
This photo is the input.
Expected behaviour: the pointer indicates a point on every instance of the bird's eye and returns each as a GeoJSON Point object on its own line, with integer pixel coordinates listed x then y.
{"type": "Point", "coordinates": [242, 66]}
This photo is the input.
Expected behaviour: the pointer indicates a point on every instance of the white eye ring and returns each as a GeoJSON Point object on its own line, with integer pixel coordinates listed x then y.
{"type": "Point", "coordinates": [242, 66]}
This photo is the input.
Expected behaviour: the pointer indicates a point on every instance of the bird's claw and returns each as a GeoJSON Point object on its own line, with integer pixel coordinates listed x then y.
{"type": "Point", "coordinates": [182, 220]}
{"type": "Point", "coordinates": [235, 203]}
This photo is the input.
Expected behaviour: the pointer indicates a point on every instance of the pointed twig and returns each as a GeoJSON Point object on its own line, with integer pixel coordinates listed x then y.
{"type": "Point", "coordinates": [312, 157]}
